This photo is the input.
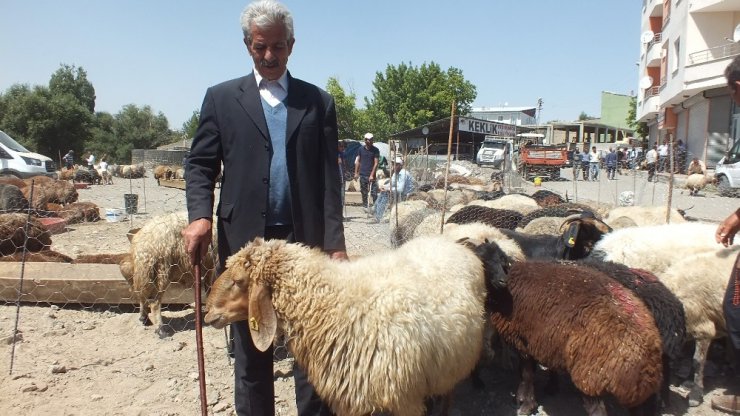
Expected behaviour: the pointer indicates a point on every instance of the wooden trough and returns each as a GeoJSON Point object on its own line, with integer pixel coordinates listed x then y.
{"type": "Point", "coordinates": [64, 283]}
{"type": "Point", "coordinates": [178, 183]}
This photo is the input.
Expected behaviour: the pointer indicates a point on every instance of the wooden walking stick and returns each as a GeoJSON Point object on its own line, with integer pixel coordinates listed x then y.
{"type": "Point", "coordinates": [199, 344]}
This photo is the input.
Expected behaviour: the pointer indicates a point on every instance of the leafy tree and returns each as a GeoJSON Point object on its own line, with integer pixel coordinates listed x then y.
{"type": "Point", "coordinates": [103, 142]}
{"type": "Point", "coordinates": [583, 116]}
{"type": "Point", "coordinates": [347, 113]}
{"type": "Point", "coordinates": [43, 121]}
{"type": "Point", "coordinates": [641, 129]}
{"type": "Point", "coordinates": [138, 128]}
{"type": "Point", "coordinates": [189, 127]}
{"type": "Point", "coordinates": [72, 80]}
{"type": "Point", "coordinates": [405, 96]}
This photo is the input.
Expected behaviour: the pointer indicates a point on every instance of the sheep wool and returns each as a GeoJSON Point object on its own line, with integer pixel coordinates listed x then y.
{"type": "Point", "coordinates": [579, 320]}
{"type": "Point", "coordinates": [157, 258]}
{"type": "Point", "coordinates": [380, 333]}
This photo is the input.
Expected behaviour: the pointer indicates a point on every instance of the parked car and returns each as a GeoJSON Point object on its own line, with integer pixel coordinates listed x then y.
{"type": "Point", "coordinates": [727, 172]}
{"type": "Point", "coordinates": [17, 161]}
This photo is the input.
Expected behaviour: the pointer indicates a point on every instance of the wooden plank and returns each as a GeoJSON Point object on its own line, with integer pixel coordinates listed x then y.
{"type": "Point", "coordinates": [179, 184]}
{"type": "Point", "coordinates": [65, 283]}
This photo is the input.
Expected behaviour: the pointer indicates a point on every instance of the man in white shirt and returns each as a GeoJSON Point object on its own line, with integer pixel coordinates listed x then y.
{"type": "Point", "coordinates": [594, 158]}
{"type": "Point", "coordinates": [651, 159]}
{"type": "Point", "coordinates": [662, 156]}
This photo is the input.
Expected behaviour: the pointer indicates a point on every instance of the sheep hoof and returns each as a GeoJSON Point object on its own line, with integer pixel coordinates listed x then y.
{"type": "Point", "coordinates": [145, 320]}
{"type": "Point", "coordinates": [527, 408]}
{"type": "Point", "coordinates": [164, 332]}
{"type": "Point", "coordinates": [695, 397]}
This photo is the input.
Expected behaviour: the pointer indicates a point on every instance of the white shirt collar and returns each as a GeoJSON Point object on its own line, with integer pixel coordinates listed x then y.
{"type": "Point", "coordinates": [282, 81]}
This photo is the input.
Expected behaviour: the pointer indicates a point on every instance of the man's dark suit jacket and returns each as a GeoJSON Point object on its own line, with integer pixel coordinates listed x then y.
{"type": "Point", "coordinates": [233, 131]}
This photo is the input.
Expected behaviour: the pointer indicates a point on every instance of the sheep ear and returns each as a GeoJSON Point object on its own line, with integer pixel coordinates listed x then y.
{"type": "Point", "coordinates": [262, 318]}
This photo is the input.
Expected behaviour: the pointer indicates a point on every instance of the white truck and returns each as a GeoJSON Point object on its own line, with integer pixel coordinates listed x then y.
{"type": "Point", "coordinates": [494, 151]}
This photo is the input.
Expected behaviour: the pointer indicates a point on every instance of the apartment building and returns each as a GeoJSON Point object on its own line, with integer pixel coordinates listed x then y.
{"type": "Point", "coordinates": [518, 116]}
{"type": "Point", "coordinates": [685, 46]}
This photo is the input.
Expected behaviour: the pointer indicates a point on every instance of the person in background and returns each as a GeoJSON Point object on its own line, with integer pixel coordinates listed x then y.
{"type": "Point", "coordinates": [696, 167]}
{"type": "Point", "coordinates": [594, 159]}
{"type": "Point", "coordinates": [585, 164]}
{"type": "Point", "coordinates": [397, 189]}
{"type": "Point", "coordinates": [621, 159]}
{"type": "Point", "coordinates": [366, 164]}
{"type": "Point", "coordinates": [680, 157]}
{"type": "Point", "coordinates": [663, 156]}
{"type": "Point", "coordinates": [342, 168]}
{"type": "Point", "coordinates": [651, 158]}
{"type": "Point", "coordinates": [632, 158]}
{"type": "Point", "coordinates": [91, 161]}
{"type": "Point", "coordinates": [577, 161]}
{"type": "Point", "coordinates": [69, 159]}
{"type": "Point", "coordinates": [276, 137]}
{"type": "Point", "coordinates": [725, 235]}
{"type": "Point", "coordinates": [611, 160]}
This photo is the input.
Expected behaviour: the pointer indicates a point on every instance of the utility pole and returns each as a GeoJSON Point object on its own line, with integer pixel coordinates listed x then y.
{"type": "Point", "coordinates": [539, 112]}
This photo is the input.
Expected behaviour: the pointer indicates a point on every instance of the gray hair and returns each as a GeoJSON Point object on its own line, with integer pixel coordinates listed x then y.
{"type": "Point", "coordinates": [265, 13]}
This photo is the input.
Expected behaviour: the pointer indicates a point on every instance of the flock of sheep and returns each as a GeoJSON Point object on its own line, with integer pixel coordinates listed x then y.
{"type": "Point", "coordinates": [608, 296]}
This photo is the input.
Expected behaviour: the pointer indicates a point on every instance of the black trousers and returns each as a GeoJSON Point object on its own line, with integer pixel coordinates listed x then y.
{"type": "Point", "coordinates": [731, 306]}
{"type": "Point", "coordinates": [254, 389]}
{"type": "Point", "coordinates": [367, 186]}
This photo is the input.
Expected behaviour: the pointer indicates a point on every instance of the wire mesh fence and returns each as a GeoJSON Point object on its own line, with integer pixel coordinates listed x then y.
{"type": "Point", "coordinates": [81, 306]}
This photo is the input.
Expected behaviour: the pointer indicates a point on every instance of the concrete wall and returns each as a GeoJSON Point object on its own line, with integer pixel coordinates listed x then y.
{"type": "Point", "coordinates": [614, 109]}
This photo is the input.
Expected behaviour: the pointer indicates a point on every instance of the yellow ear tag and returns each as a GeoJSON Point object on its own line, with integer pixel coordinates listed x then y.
{"type": "Point", "coordinates": [571, 241]}
{"type": "Point", "coordinates": [254, 324]}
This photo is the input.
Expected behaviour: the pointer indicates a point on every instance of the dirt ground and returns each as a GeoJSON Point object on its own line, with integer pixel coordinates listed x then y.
{"type": "Point", "coordinates": [98, 360]}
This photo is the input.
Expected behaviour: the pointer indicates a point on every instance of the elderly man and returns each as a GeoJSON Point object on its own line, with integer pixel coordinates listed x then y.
{"type": "Point", "coordinates": [276, 137]}
{"type": "Point", "coordinates": [725, 235]}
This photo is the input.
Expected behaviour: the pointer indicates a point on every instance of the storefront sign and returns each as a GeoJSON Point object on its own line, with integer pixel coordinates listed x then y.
{"type": "Point", "coordinates": [486, 127]}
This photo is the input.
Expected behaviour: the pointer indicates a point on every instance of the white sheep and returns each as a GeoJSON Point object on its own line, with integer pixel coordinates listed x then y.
{"type": "Point", "coordinates": [688, 261]}
{"type": "Point", "coordinates": [645, 215]}
{"type": "Point", "coordinates": [380, 333]}
{"type": "Point", "coordinates": [156, 259]}
{"type": "Point", "coordinates": [697, 181]}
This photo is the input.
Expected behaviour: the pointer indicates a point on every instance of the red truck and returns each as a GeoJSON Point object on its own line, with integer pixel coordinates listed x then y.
{"type": "Point", "coordinates": [542, 160]}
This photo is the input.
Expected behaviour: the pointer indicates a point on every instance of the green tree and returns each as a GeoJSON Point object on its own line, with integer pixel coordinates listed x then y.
{"type": "Point", "coordinates": [43, 121]}
{"type": "Point", "coordinates": [103, 142]}
{"type": "Point", "coordinates": [191, 126]}
{"type": "Point", "coordinates": [584, 117]}
{"type": "Point", "coordinates": [405, 96]}
{"type": "Point", "coordinates": [72, 80]}
{"type": "Point", "coordinates": [347, 112]}
{"type": "Point", "coordinates": [641, 129]}
{"type": "Point", "coordinates": [138, 128]}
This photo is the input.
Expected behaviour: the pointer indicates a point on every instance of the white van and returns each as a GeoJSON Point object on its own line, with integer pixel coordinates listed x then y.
{"type": "Point", "coordinates": [727, 172]}
{"type": "Point", "coordinates": [16, 160]}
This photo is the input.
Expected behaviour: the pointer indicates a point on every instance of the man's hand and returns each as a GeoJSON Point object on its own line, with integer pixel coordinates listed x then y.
{"type": "Point", "coordinates": [338, 255]}
{"type": "Point", "coordinates": [726, 231]}
{"type": "Point", "coordinates": [197, 237]}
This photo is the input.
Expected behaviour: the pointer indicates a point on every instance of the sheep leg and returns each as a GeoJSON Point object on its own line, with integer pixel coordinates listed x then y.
{"type": "Point", "coordinates": [162, 331]}
{"type": "Point", "coordinates": [665, 388]}
{"type": "Point", "coordinates": [696, 394]}
{"type": "Point", "coordinates": [525, 393]}
{"type": "Point", "coordinates": [648, 408]}
{"type": "Point", "coordinates": [144, 313]}
{"type": "Point", "coordinates": [594, 406]}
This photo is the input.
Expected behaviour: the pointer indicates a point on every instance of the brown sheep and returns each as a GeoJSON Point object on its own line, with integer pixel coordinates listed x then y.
{"type": "Point", "coordinates": [12, 235]}
{"type": "Point", "coordinates": [79, 212]}
{"type": "Point", "coordinates": [12, 199]}
{"type": "Point", "coordinates": [578, 320]}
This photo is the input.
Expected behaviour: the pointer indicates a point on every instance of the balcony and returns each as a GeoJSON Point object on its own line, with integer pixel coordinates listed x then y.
{"type": "Point", "coordinates": [715, 53]}
{"type": "Point", "coordinates": [652, 56]}
{"type": "Point", "coordinates": [650, 105]}
{"type": "Point", "coordinates": [713, 6]}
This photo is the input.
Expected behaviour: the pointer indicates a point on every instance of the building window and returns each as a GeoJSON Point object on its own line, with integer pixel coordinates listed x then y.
{"type": "Point", "coordinates": [675, 56]}
{"type": "Point", "coordinates": [500, 118]}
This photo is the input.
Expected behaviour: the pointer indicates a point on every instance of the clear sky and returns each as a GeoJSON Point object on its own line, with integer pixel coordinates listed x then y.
{"type": "Point", "coordinates": [165, 53]}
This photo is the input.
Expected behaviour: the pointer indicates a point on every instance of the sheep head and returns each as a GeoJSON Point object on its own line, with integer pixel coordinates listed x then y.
{"type": "Point", "coordinates": [580, 233]}
{"type": "Point", "coordinates": [241, 292]}
{"type": "Point", "coordinates": [496, 264]}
